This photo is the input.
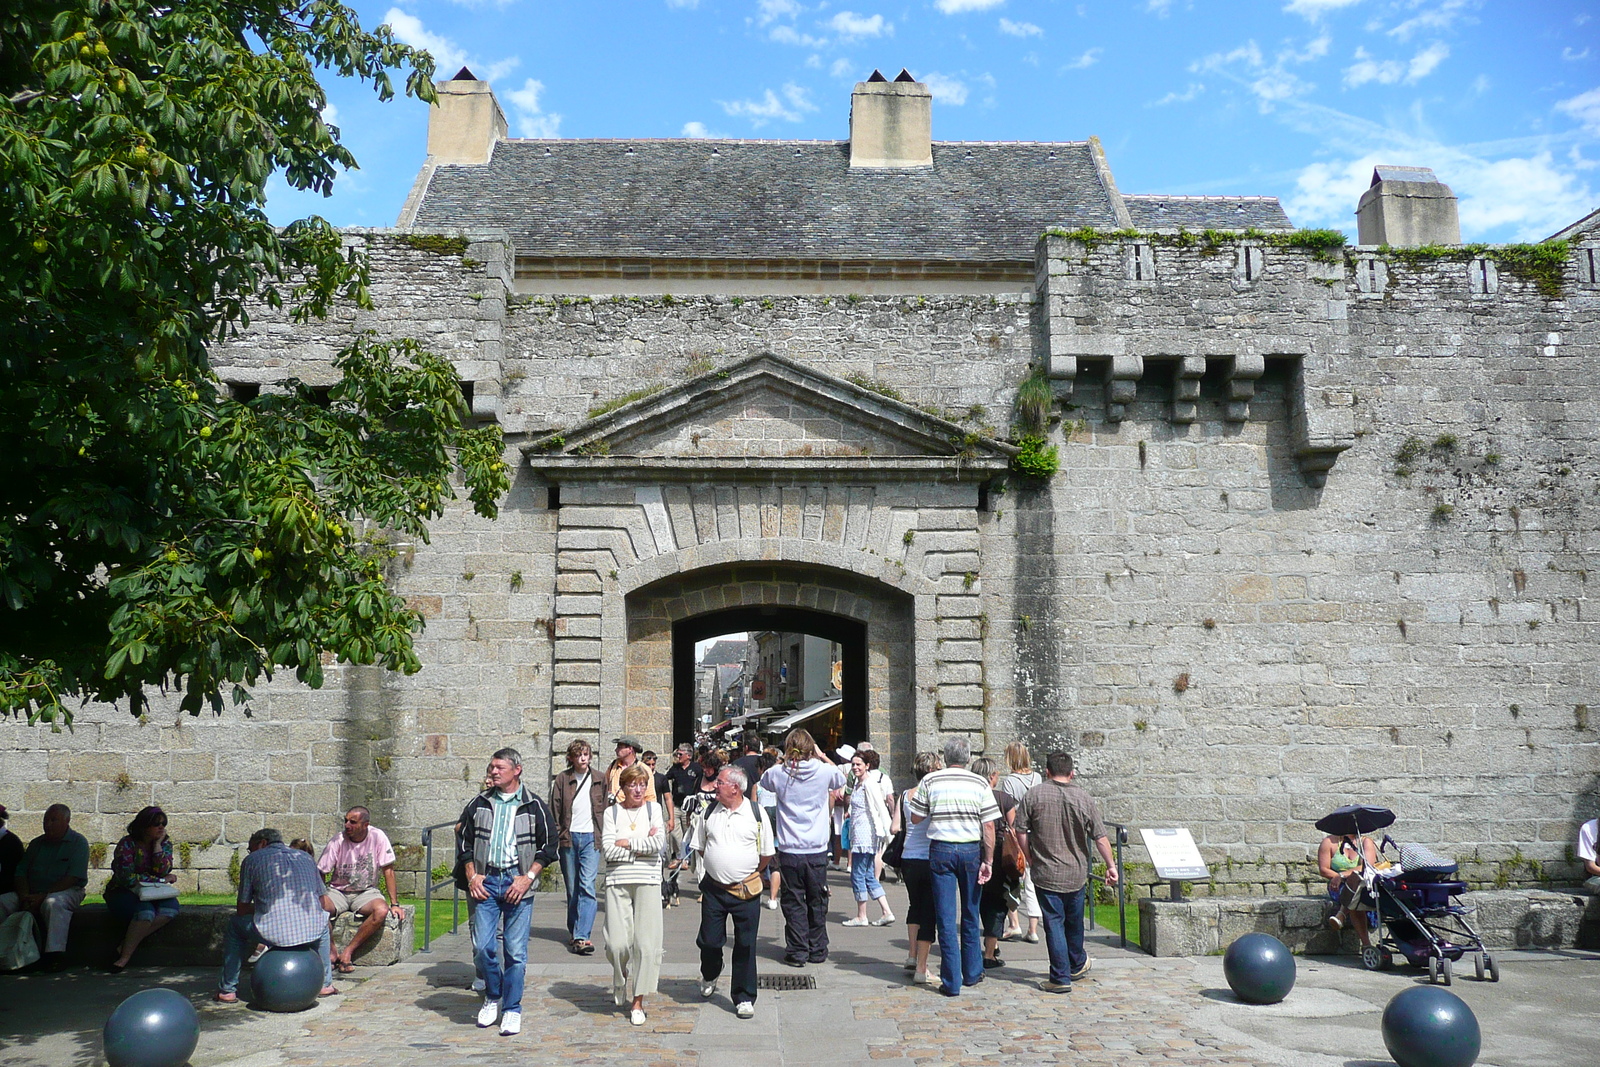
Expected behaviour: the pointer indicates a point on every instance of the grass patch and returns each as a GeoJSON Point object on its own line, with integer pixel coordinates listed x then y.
{"type": "Point", "coordinates": [1105, 919]}
{"type": "Point", "coordinates": [441, 910]}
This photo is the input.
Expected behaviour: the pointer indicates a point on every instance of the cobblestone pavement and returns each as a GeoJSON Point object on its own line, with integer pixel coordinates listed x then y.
{"type": "Point", "coordinates": [1132, 1010]}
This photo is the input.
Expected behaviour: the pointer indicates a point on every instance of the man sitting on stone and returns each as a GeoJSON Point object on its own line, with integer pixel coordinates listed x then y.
{"type": "Point", "coordinates": [1586, 855]}
{"type": "Point", "coordinates": [351, 864]}
{"type": "Point", "coordinates": [51, 881]}
{"type": "Point", "coordinates": [282, 903]}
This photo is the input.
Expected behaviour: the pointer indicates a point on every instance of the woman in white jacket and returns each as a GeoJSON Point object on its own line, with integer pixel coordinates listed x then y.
{"type": "Point", "coordinates": [870, 829]}
{"type": "Point", "coordinates": [634, 832]}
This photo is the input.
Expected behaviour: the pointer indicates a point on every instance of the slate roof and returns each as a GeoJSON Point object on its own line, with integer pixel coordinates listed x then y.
{"type": "Point", "coordinates": [1149, 212]}
{"type": "Point", "coordinates": [777, 199]}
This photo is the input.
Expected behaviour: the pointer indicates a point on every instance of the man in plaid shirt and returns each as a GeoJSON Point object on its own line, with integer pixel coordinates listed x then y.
{"type": "Point", "coordinates": [282, 903]}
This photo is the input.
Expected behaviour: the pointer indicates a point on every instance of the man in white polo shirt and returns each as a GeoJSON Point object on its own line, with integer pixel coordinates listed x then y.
{"type": "Point", "coordinates": [735, 846]}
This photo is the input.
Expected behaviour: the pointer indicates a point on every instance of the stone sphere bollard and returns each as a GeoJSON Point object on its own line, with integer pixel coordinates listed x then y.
{"type": "Point", "coordinates": [152, 1028]}
{"type": "Point", "coordinates": [1428, 1026]}
{"type": "Point", "coordinates": [1259, 969]}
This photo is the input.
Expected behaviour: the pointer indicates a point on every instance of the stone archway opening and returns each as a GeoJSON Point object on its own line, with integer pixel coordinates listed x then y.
{"type": "Point", "coordinates": [849, 634]}
{"type": "Point", "coordinates": [872, 622]}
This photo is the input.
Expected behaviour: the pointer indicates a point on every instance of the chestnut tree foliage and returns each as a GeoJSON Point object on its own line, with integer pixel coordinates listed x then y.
{"type": "Point", "coordinates": [154, 532]}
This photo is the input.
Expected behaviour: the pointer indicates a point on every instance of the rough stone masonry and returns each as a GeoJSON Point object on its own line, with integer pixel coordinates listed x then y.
{"type": "Point", "coordinates": [1320, 530]}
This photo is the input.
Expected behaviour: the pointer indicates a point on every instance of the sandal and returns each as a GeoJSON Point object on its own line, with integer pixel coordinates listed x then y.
{"type": "Point", "coordinates": [586, 948]}
{"type": "Point", "coordinates": [344, 967]}
{"type": "Point", "coordinates": [225, 998]}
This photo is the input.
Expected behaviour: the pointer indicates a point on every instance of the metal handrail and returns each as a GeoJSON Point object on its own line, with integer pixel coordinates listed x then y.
{"type": "Point", "coordinates": [1119, 837]}
{"type": "Point", "coordinates": [427, 896]}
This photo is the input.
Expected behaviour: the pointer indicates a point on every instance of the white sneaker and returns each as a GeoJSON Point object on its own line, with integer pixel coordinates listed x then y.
{"type": "Point", "coordinates": [921, 978]}
{"type": "Point", "coordinates": [708, 989]}
{"type": "Point", "coordinates": [745, 1010]}
{"type": "Point", "coordinates": [479, 985]}
{"type": "Point", "coordinates": [855, 922]}
{"type": "Point", "coordinates": [636, 1017]}
{"type": "Point", "coordinates": [511, 1025]}
{"type": "Point", "coordinates": [770, 904]}
{"type": "Point", "coordinates": [883, 920]}
{"type": "Point", "coordinates": [488, 1013]}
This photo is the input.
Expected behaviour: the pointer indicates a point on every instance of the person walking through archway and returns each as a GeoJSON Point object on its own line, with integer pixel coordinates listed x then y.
{"type": "Point", "coordinates": [804, 784]}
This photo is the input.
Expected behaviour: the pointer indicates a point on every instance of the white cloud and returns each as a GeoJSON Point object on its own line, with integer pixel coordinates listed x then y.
{"type": "Point", "coordinates": [956, 7]}
{"type": "Point", "coordinates": [532, 121]}
{"type": "Point", "coordinates": [1584, 107]}
{"type": "Point", "coordinates": [1570, 56]}
{"type": "Point", "coordinates": [448, 57]}
{"type": "Point", "coordinates": [689, 4]}
{"type": "Point", "coordinates": [1270, 83]}
{"type": "Point", "coordinates": [1506, 190]}
{"type": "Point", "coordinates": [408, 29]}
{"type": "Point", "coordinates": [330, 114]}
{"type": "Point", "coordinates": [1160, 8]}
{"type": "Point", "coordinates": [814, 62]}
{"type": "Point", "coordinates": [790, 35]}
{"type": "Point", "coordinates": [793, 105]}
{"type": "Point", "coordinates": [1315, 9]}
{"type": "Point", "coordinates": [1087, 59]}
{"type": "Point", "coordinates": [945, 89]}
{"type": "Point", "coordinates": [1367, 69]}
{"type": "Point", "coordinates": [842, 68]}
{"type": "Point", "coordinates": [1020, 29]}
{"type": "Point", "coordinates": [696, 129]}
{"type": "Point", "coordinates": [850, 26]}
{"type": "Point", "coordinates": [1390, 71]}
{"type": "Point", "coordinates": [1194, 89]}
{"type": "Point", "coordinates": [1435, 19]}
{"type": "Point", "coordinates": [776, 9]}
{"type": "Point", "coordinates": [1426, 61]}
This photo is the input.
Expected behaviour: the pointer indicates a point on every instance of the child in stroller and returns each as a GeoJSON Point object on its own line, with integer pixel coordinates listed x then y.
{"type": "Point", "coordinates": [1420, 916]}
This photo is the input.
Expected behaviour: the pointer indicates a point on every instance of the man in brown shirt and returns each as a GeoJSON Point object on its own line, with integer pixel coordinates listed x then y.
{"type": "Point", "coordinates": [1055, 822]}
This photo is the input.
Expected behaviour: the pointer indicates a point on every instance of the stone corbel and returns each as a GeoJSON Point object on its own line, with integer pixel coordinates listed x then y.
{"type": "Point", "coordinates": [1241, 378]}
{"type": "Point", "coordinates": [1122, 384]}
{"type": "Point", "coordinates": [1321, 424]}
{"type": "Point", "coordinates": [1186, 388]}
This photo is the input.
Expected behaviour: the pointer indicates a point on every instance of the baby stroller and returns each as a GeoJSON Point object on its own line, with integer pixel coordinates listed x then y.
{"type": "Point", "coordinates": [1420, 916]}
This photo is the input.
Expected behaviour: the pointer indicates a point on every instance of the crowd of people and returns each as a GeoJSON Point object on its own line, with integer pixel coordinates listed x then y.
{"type": "Point", "coordinates": [985, 856]}
{"type": "Point", "coordinates": [982, 854]}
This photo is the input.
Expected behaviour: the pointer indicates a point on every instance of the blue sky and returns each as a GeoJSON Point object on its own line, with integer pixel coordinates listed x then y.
{"type": "Point", "coordinates": [1295, 99]}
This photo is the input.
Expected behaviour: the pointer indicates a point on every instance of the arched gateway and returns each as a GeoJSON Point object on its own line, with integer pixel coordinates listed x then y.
{"type": "Point", "coordinates": [768, 491]}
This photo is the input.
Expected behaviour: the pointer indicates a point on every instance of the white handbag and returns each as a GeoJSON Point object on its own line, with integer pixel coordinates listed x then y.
{"type": "Point", "coordinates": [157, 890]}
{"type": "Point", "coordinates": [18, 945]}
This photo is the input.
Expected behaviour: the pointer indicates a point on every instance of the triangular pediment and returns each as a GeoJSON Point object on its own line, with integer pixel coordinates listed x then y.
{"type": "Point", "coordinates": [771, 413]}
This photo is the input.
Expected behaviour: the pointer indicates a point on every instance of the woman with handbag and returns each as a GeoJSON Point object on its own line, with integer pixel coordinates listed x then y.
{"type": "Point", "coordinates": [870, 831]}
{"type": "Point", "coordinates": [1025, 902]}
{"type": "Point", "coordinates": [993, 902]}
{"type": "Point", "coordinates": [634, 832]}
{"type": "Point", "coordinates": [142, 891]}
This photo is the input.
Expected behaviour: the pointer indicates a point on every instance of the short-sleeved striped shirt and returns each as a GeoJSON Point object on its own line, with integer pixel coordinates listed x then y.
{"type": "Point", "coordinates": [956, 804]}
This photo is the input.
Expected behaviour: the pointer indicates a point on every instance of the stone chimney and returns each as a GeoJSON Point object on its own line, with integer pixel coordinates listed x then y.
{"type": "Point", "coordinates": [465, 122]}
{"type": "Point", "coordinates": [1406, 207]}
{"type": "Point", "coordinates": [891, 123]}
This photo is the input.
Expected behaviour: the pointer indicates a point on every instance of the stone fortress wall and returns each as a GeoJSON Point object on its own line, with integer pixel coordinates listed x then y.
{"type": "Point", "coordinates": [1320, 533]}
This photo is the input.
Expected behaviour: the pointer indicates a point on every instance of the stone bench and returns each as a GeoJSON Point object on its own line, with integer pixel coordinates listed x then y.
{"type": "Point", "coordinates": [1504, 918]}
{"type": "Point", "coordinates": [194, 938]}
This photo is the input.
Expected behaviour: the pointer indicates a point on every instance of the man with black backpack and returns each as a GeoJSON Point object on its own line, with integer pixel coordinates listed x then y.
{"type": "Point", "coordinates": [1055, 822]}
{"type": "Point", "coordinates": [735, 846]}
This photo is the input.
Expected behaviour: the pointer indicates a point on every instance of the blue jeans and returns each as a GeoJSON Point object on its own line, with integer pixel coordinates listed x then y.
{"type": "Point", "coordinates": [954, 867]}
{"type": "Point", "coordinates": [1063, 931]}
{"type": "Point", "coordinates": [862, 879]}
{"type": "Point", "coordinates": [580, 862]}
{"type": "Point", "coordinates": [241, 935]}
{"type": "Point", "coordinates": [129, 908]}
{"type": "Point", "coordinates": [502, 978]}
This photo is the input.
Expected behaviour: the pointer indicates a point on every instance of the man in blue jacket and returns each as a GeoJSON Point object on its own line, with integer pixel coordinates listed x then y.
{"type": "Point", "coordinates": [508, 838]}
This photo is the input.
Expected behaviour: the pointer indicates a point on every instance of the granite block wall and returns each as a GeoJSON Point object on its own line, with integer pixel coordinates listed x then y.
{"type": "Point", "coordinates": [1321, 532]}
